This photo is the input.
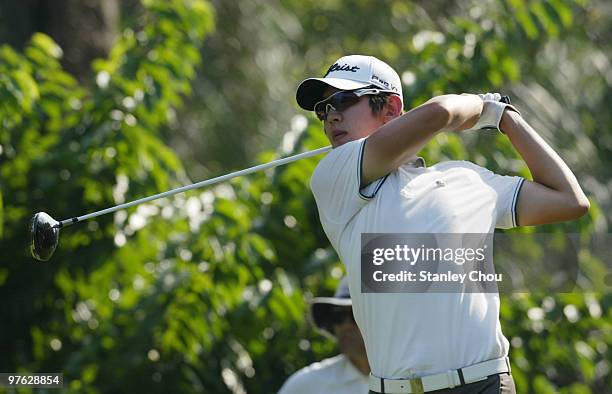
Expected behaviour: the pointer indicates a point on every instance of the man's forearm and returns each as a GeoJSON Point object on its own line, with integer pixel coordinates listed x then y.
{"type": "Point", "coordinates": [464, 110]}
{"type": "Point", "coordinates": [396, 141]}
{"type": "Point", "coordinates": [546, 166]}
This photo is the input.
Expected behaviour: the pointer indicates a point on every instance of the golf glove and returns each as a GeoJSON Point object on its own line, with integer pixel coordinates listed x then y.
{"type": "Point", "coordinates": [492, 112]}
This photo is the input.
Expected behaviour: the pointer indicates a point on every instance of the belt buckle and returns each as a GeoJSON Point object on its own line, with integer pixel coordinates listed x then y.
{"type": "Point", "coordinates": [416, 386]}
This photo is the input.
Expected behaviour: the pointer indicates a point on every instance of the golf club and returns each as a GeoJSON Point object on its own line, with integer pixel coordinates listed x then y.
{"type": "Point", "coordinates": [44, 230]}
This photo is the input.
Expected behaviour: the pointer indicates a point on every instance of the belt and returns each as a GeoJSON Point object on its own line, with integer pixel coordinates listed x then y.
{"type": "Point", "coordinates": [444, 380]}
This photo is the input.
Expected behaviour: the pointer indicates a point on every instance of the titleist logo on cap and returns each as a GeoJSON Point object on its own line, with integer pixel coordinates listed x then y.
{"type": "Point", "coordinates": [342, 67]}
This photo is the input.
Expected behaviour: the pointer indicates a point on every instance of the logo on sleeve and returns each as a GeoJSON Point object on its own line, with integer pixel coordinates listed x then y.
{"type": "Point", "coordinates": [342, 67]}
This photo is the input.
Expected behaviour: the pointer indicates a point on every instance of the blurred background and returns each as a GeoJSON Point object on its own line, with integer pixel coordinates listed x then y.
{"type": "Point", "coordinates": [106, 101]}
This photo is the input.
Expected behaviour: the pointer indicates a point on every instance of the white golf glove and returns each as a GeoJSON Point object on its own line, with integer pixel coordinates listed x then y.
{"type": "Point", "coordinates": [492, 112]}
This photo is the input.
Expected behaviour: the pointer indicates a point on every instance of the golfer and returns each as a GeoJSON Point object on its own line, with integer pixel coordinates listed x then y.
{"type": "Point", "coordinates": [346, 373]}
{"type": "Point", "coordinates": [373, 182]}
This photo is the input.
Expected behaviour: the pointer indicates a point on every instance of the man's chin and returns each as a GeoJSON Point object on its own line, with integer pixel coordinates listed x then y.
{"type": "Point", "coordinates": [341, 141]}
{"type": "Point", "coordinates": [349, 342]}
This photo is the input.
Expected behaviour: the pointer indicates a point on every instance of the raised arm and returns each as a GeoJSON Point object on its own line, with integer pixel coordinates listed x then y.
{"type": "Point", "coordinates": [554, 195]}
{"type": "Point", "coordinates": [402, 137]}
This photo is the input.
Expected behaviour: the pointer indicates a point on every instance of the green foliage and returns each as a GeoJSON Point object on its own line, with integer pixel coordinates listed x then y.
{"type": "Point", "coordinates": [207, 292]}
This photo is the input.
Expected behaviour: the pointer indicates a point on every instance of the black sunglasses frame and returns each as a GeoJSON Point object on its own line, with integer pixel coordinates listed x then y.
{"type": "Point", "coordinates": [343, 99]}
{"type": "Point", "coordinates": [336, 317]}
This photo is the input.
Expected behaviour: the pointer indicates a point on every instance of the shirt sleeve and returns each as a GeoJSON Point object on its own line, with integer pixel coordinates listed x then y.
{"type": "Point", "coordinates": [336, 184]}
{"type": "Point", "coordinates": [506, 189]}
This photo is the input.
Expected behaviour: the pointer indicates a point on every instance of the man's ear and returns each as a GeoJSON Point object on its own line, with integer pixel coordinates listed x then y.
{"type": "Point", "coordinates": [393, 108]}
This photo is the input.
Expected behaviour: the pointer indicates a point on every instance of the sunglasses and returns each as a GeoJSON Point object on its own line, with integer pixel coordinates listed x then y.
{"type": "Point", "coordinates": [338, 316]}
{"type": "Point", "coordinates": [342, 100]}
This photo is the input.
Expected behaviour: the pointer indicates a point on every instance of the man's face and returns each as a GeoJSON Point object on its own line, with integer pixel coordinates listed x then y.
{"type": "Point", "coordinates": [353, 123]}
{"type": "Point", "coordinates": [346, 331]}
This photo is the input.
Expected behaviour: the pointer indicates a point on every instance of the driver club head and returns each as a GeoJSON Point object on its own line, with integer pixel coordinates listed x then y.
{"type": "Point", "coordinates": [44, 236]}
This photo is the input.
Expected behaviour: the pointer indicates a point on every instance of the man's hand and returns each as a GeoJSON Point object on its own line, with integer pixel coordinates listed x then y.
{"type": "Point", "coordinates": [492, 111]}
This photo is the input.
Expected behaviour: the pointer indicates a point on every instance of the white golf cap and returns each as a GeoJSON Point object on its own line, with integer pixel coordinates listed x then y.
{"type": "Point", "coordinates": [349, 73]}
{"type": "Point", "coordinates": [321, 307]}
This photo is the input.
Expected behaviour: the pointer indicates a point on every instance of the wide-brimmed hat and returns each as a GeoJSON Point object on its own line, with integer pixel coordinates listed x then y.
{"type": "Point", "coordinates": [349, 73]}
{"type": "Point", "coordinates": [322, 307]}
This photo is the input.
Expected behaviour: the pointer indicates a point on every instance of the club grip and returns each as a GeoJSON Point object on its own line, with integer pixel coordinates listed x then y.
{"type": "Point", "coordinates": [505, 100]}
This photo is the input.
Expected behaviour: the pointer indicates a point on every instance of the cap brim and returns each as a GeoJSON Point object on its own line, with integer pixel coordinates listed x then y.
{"type": "Point", "coordinates": [321, 307]}
{"type": "Point", "coordinates": [311, 90]}
{"type": "Point", "coordinates": [336, 301]}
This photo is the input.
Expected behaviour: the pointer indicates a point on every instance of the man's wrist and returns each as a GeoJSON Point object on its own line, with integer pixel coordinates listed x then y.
{"type": "Point", "coordinates": [508, 119]}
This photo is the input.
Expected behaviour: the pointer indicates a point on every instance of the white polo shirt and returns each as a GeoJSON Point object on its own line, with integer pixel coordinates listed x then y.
{"type": "Point", "coordinates": [413, 334]}
{"type": "Point", "coordinates": [335, 375]}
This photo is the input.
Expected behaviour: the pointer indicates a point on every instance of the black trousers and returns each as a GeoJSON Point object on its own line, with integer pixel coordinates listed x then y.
{"type": "Point", "coordinates": [495, 384]}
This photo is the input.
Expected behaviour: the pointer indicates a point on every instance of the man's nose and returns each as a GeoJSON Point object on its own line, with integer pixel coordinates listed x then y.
{"type": "Point", "coordinates": [345, 328]}
{"type": "Point", "coordinates": [346, 323]}
{"type": "Point", "coordinates": [333, 115]}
